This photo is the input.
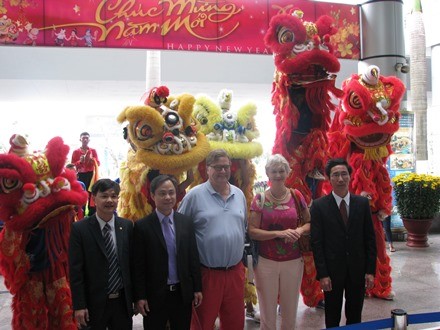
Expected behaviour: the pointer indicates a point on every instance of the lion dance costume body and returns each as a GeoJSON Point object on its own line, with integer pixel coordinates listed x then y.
{"type": "Point", "coordinates": [164, 138]}
{"type": "Point", "coordinates": [37, 204]}
{"type": "Point", "coordinates": [361, 133]}
{"type": "Point", "coordinates": [303, 84]}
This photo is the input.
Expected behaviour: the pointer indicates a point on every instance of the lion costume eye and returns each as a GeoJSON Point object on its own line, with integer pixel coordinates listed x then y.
{"type": "Point", "coordinates": [354, 101]}
{"type": "Point", "coordinates": [202, 119]}
{"type": "Point", "coordinates": [285, 35]}
{"type": "Point", "coordinates": [8, 185]}
{"type": "Point", "coordinates": [143, 131]}
{"type": "Point", "coordinates": [171, 119]}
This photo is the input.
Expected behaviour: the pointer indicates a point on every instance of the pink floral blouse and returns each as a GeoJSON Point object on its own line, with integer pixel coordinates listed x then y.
{"type": "Point", "coordinates": [277, 216]}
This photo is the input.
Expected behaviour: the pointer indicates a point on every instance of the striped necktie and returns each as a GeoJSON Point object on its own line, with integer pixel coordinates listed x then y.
{"type": "Point", "coordinates": [114, 281]}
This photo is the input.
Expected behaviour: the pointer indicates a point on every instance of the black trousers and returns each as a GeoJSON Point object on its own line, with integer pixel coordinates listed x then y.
{"type": "Point", "coordinates": [171, 309]}
{"type": "Point", "coordinates": [387, 227]}
{"type": "Point", "coordinates": [354, 289]}
{"type": "Point", "coordinates": [86, 178]}
{"type": "Point", "coordinates": [116, 316]}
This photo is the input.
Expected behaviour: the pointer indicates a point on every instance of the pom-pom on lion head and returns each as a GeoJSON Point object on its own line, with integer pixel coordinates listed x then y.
{"type": "Point", "coordinates": [19, 145]}
{"type": "Point", "coordinates": [225, 99]}
{"type": "Point", "coordinates": [156, 96]}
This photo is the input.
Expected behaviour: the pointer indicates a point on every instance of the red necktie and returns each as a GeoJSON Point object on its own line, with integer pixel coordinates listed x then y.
{"type": "Point", "coordinates": [343, 210]}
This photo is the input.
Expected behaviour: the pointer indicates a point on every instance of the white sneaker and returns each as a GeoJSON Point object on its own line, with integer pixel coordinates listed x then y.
{"type": "Point", "coordinates": [390, 296]}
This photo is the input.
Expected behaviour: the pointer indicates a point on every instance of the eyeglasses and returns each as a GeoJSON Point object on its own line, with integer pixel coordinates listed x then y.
{"type": "Point", "coordinates": [218, 168]}
{"type": "Point", "coordinates": [344, 175]}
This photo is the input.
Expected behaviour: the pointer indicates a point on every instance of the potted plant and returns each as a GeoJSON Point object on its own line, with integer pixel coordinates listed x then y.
{"type": "Point", "coordinates": [418, 201]}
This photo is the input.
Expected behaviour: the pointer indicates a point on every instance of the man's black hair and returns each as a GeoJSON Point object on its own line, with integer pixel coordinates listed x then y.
{"type": "Point", "coordinates": [105, 184]}
{"type": "Point", "coordinates": [335, 162]}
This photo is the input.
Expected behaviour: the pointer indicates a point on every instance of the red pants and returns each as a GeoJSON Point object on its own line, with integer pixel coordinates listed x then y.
{"type": "Point", "coordinates": [223, 296]}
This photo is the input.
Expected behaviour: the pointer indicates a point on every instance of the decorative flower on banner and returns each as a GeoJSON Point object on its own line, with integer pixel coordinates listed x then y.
{"type": "Point", "coordinates": [346, 40]}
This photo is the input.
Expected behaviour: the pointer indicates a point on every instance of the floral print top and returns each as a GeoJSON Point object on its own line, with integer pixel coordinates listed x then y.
{"type": "Point", "coordinates": [277, 216]}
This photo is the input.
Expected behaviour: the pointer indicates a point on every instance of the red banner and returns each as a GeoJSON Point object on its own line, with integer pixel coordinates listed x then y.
{"type": "Point", "coordinates": [226, 26]}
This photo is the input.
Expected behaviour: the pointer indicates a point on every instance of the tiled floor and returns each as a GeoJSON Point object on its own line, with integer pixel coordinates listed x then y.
{"type": "Point", "coordinates": [416, 281]}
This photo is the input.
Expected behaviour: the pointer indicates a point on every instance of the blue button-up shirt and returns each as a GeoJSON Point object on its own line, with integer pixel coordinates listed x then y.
{"type": "Point", "coordinates": [220, 225]}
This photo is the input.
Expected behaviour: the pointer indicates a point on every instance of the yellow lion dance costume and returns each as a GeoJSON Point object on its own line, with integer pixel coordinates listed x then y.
{"type": "Point", "coordinates": [164, 138]}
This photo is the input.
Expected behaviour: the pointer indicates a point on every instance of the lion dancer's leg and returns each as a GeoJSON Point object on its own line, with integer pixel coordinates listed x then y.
{"type": "Point", "coordinates": [29, 305]}
{"type": "Point", "coordinates": [372, 178]}
{"type": "Point", "coordinates": [308, 160]}
{"type": "Point", "coordinates": [59, 305]}
{"type": "Point", "coordinates": [382, 280]}
{"type": "Point", "coordinates": [43, 306]}
{"type": "Point", "coordinates": [244, 175]}
{"type": "Point", "coordinates": [298, 173]}
{"type": "Point", "coordinates": [316, 155]}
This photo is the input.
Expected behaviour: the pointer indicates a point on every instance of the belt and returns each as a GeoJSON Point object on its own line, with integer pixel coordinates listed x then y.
{"type": "Point", "coordinates": [219, 268]}
{"type": "Point", "coordinates": [114, 295]}
{"type": "Point", "coordinates": [173, 287]}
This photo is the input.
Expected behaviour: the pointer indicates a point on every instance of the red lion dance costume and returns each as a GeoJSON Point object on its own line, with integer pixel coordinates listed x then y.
{"type": "Point", "coordinates": [361, 133]}
{"type": "Point", "coordinates": [301, 97]}
{"type": "Point", "coordinates": [37, 204]}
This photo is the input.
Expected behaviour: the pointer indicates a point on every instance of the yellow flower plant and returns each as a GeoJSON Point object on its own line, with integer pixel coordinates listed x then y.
{"type": "Point", "coordinates": [417, 195]}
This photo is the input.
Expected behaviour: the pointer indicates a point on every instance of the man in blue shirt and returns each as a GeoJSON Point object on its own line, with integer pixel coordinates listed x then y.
{"type": "Point", "coordinates": [219, 211]}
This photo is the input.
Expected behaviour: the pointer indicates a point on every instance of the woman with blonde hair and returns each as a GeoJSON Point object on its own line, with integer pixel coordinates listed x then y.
{"type": "Point", "coordinates": [274, 223]}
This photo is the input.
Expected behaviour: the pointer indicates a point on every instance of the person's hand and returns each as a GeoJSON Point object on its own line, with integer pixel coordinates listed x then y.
{"type": "Point", "coordinates": [366, 194]}
{"type": "Point", "coordinates": [82, 317]}
{"type": "Point", "coordinates": [88, 156]}
{"type": "Point", "coordinates": [381, 215]}
{"type": "Point", "coordinates": [198, 297]}
{"type": "Point", "coordinates": [142, 307]}
{"type": "Point", "coordinates": [82, 158]}
{"type": "Point", "coordinates": [369, 281]}
{"type": "Point", "coordinates": [289, 235]}
{"type": "Point", "coordinates": [326, 284]}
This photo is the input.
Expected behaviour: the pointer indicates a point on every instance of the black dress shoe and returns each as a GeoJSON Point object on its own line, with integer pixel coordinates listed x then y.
{"type": "Point", "coordinates": [321, 304]}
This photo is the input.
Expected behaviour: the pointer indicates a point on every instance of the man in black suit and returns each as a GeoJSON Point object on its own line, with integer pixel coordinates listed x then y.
{"type": "Point", "coordinates": [167, 276]}
{"type": "Point", "coordinates": [99, 258]}
{"type": "Point", "coordinates": [343, 245]}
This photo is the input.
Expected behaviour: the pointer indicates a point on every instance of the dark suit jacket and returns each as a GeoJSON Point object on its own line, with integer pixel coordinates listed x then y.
{"type": "Point", "coordinates": [151, 259]}
{"type": "Point", "coordinates": [337, 247]}
{"type": "Point", "coordinates": [89, 266]}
